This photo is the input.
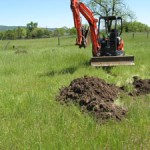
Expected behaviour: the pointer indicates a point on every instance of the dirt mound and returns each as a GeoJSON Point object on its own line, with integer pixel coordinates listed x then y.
{"type": "Point", "coordinates": [20, 51]}
{"type": "Point", "coordinates": [94, 96]}
{"type": "Point", "coordinates": [142, 87]}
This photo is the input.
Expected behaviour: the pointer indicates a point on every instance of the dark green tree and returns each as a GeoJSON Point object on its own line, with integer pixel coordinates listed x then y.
{"type": "Point", "coordinates": [30, 27]}
{"type": "Point", "coordinates": [10, 35]}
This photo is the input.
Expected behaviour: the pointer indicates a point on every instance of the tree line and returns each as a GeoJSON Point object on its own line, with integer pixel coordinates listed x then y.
{"type": "Point", "coordinates": [98, 7]}
{"type": "Point", "coordinates": [32, 31]}
{"type": "Point", "coordinates": [135, 27]}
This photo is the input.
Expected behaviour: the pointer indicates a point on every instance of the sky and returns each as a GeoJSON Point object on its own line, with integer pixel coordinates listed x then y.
{"type": "Point", "coordinates": [55, 13]}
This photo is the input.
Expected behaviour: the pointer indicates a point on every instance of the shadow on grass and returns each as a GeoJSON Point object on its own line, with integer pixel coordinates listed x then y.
{"type": "Point", "coordinates": [86, 63]}
{"type": "Point", "coordinates": [70, 70]}
{"type": "Point", "coordinates": [108, 70]}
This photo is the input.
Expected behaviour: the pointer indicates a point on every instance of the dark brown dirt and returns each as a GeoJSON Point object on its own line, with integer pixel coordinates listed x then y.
{"type": "Point", "coordinates": [94, 96]}
{"type": "Point", "coordinates": [142, 87]}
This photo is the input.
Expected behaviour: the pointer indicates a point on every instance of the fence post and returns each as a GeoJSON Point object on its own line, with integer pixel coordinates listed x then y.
{"type": "Point", "coordinates": [5, 47]}
{"type": "Point", "coordinates": [58, 40]}
{"type": "Point", "coordinates": [133, 35]}
{"type": "Point", "coordinates": [147, 34]}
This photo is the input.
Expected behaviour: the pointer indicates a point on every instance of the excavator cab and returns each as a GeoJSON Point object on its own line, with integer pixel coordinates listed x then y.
{"type": "Point", "coordinates": [112, 45]}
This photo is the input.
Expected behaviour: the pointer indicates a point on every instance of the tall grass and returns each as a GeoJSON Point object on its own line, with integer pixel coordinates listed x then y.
{"type": "Point", "coordinates": [30, 116]}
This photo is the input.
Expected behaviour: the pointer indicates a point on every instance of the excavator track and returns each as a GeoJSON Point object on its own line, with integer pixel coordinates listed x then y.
{"type": "Point", "coordinates": [112, 61]}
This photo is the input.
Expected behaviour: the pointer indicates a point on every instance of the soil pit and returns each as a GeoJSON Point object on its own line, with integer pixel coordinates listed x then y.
{"type": "Point", "coordinates": [94, 96]}
{"type": "Point", "coordinates": [142, 87]}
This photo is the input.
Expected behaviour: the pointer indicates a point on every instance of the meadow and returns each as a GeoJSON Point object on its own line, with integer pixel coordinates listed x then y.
{"type": "Point", "coordinates": [31, 74]}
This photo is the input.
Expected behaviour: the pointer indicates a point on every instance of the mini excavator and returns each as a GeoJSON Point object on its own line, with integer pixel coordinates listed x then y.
{"type": "Point", "coordinates": [107, 50]}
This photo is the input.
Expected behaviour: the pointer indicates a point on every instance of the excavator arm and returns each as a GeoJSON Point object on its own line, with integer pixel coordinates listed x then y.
{"type": "Point", "coordinates": [77, 8]}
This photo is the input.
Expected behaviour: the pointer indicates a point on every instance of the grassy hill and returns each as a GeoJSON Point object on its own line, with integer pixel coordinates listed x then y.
{"type": "Point", "coordinates": [31, 75]}
{"type": "Point", "coordinates": [4, 28]}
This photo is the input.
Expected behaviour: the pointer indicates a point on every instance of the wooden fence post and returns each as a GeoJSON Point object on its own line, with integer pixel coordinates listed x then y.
{"type": "Point", "coordinates": [58, 40]}
{"type": "Point", "coordinates": [5, 47]}
{"type": "Point", "coordinates": [133, 35]}
{"type": "Point", "coordinates": [147, 34]}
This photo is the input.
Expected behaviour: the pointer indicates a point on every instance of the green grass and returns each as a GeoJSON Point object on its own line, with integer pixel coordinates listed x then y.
{"type": "Point", "coordinates": [30, 116]}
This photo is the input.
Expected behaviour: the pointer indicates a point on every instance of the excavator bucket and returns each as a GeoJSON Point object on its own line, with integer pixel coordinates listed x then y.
{"type": "Point", "coordinates": [112, 60]}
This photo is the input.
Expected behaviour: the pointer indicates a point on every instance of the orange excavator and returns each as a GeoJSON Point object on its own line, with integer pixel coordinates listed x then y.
{"type": "Point", "coordinates": [107, 50]}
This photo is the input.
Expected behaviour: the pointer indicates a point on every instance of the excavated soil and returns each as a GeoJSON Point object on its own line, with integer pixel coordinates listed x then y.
{"type": "Point", "coordinates": [94, 96]}
{"type": "Point", "coordinates": [142, 87]}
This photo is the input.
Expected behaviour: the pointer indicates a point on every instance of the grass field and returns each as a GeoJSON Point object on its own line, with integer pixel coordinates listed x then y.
{"type": "Point", "coordinates": [31, 75]}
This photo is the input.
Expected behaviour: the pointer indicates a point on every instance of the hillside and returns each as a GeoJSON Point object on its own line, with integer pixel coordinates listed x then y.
{"type": "Point", "coordinates": [4, 28]}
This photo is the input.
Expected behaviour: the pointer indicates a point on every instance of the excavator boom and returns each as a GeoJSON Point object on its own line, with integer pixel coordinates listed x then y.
{"type": "Point", "coordinates": [77, 8]}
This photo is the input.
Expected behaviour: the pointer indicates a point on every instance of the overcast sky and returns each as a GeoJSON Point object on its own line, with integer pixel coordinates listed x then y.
{"type": "Point", "coordinates": [55, 13]}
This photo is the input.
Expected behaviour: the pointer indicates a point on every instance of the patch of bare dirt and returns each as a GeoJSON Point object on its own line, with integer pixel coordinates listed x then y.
{"type": "Point", "coordinates": [20, 51]}
{"type": "Point", "coordinates": [94, 96]}
{"type": "Point", "coordinates": [142, 86]}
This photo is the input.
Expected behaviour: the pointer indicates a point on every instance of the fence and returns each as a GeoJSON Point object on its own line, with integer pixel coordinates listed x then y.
{"type": "Point", "coordinates": [130, 35]}
{"type": "Point", "coordinates": [137, 34]}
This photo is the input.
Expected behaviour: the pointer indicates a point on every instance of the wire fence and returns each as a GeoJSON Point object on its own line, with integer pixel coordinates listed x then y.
{"type": "Point", "coordinates": [128, 35]}
{"type": "Point", "coordinates": [137, 34]}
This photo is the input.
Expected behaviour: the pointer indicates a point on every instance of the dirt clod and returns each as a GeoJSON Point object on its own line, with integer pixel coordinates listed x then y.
{"type": "Point", "coordinates": [94, 96]}
{"type": "Point", "coordinates": [142, 87]}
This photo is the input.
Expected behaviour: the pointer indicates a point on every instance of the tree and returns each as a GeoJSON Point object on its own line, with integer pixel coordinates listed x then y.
{"type": "Point", "coordinates": [46, 33]}
{"type": "Point", "coordinates": [59, 32]}
{"type": "Point", "coordinates": [135, 27]}
{"type": "Point", "coordinates": [10, 35]}
{"type": "Point", "coordinates": [30, 27]}
{"type": "Point", "coordinates": [20, 33]}
{"type": "Point", "coordinates": [72, 31]}
{"type": "Point", "coordinates": [1, 35]}
{"type": "Point", "coordinates": [110, 8]}
{"type": "Point", "coordinates": [37, 33]}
